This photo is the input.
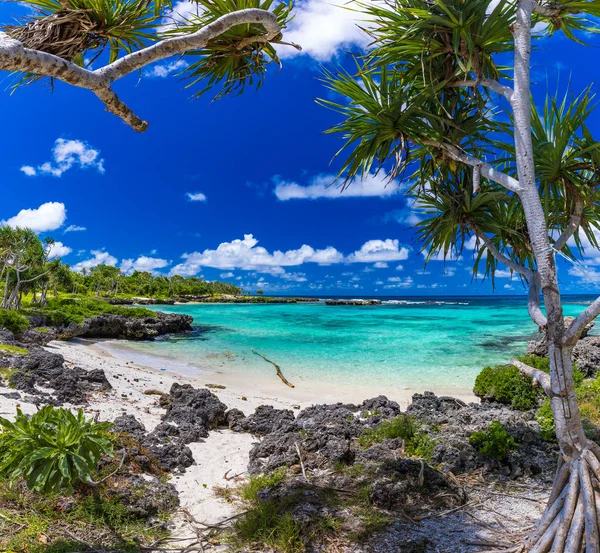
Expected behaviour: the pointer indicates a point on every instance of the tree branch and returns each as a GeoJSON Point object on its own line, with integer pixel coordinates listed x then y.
{"type": "Point", "coordinates": [548, 11]}
{"type": "Point", "coordinates": [492, 84]}
{"type": "Point", "coordinates": [532, 278]}
{"type": "Point", "coordinates": [572, 227]}
{"type": "Point", "coordinates": [15, 57]}
{"type": "Point", "coordinates": [485, 168]}
{"type": "Point", "coordinates": [576, 327]}
{"type": "Point", "coordinates": [538, 377]}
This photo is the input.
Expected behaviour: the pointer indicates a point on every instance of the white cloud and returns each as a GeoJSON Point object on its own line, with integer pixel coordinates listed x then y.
{"type": "Point", "coordinates": [381, 265]}
{"type": "Point", "coordinates": [400, 283]}
{"type": "Point", "coordinates": [74, 228]}
{"type": "Point", "coordinates": [163, 70]}
{"type": "Point", "coordinates": [323, 186]}
{"type": "Point", "coordinates": [48, 216]}
{"type": "Point", "coordinates": [143, 264]}
{"type": "Point", "coordinates": [379, 250]}
{"type": "Point", "coordinates": [67, 154]}
{"type": "Point", "coordinates": [502, 273]}
{"type": "Point", "coordinates": [400, 268]}
{"type": "Point", "coordinates": [227, 275]}
{"type": "Point", "coordinates": [196, 197]}
{"type": "Point", "coordinates": [508, 287]}
{"type": "Point", "coordinates": [323, 28]}
{"type": "Point", "coordinates": [100, 258]}
{"type": "Point", "coordinates": [245, 254]}
{"type": "Point", "coordinates": [29, 170]}
{"type": "Point", "coordinates": [58, 249]}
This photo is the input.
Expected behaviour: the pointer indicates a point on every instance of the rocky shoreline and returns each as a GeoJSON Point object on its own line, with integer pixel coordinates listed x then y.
{"type": "Point", "coordinates": [326, 442]}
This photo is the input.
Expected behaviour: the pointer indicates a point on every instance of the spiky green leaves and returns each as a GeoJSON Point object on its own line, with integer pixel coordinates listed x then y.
{"type": "Point", "coordinates": [52, 450]}
{"type": "Point", "coordinates": [237, 58]}
{"type": "Point", "coordinates": [445, 40]}
{"type": "Point", "coordinates": [572, 17]}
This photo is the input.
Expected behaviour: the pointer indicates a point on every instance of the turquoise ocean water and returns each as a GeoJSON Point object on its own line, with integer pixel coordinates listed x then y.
{"type": "Point", "coordinates": [408, 342]}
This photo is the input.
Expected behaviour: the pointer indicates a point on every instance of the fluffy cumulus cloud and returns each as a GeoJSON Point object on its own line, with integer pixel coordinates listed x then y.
{"type": "Point", "coordinates": [375, 251]}
{"type": "Point", "coordinates": [67, 154]}
{"type": "Point", "coordinates": [74, 228]}
{"type": "Point", "coordinates": [58, 249]}
{"type": "Point", "coordinates": [143, 264]}
{"type": "Point", "coordinates": [196, 197]}
{"type": "Point", "coordinates": [324, 28]}
{"type": "Point", "coordinates": [48, 216]}
{"type": "Point", "coordinates": [163, 70]}
{"type": "Point", "coordinates": [245, 254]}
{"type": "Point", "coordinates": [323, 186]}
{"type": "Point", "coordinates": [100, 257]}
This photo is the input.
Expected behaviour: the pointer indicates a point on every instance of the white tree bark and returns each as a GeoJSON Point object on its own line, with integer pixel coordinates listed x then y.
{"type": "Point", "coordinates": [15, 57]}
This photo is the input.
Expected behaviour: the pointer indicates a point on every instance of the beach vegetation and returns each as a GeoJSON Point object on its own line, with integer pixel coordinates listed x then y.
{"type": "Point", "coordinates": [13, 321]}
{"type": "Point", "coordinates": [494, 442]}
{"type": "Point", "coordinates": [14, 350]}
{"type": "Point", "coordinates": [57, 523]}
{"type": "Point", "coordinates": [53, 449]}
{"type": "Point", "coordinates": [404, 427]}
{"type": "Point", "coordinates": [506, 384]}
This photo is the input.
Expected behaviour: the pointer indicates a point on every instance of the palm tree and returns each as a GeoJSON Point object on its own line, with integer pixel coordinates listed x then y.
{"type": "Point", "coordinates": [524, 187]}
{"type": "Point", "coordinates": [228, 43]}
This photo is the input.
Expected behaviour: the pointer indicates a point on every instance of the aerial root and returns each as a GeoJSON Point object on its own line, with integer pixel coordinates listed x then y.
{"type": "Point", "coordinates": [570, 523]}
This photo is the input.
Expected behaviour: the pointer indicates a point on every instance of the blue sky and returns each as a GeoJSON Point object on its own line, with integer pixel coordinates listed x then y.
{"type": "Point", "coordinates": [235, 189]}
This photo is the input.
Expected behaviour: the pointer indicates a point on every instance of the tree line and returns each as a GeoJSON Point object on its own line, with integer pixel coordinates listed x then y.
{"type": "Point", "coordinates": [26, 269]}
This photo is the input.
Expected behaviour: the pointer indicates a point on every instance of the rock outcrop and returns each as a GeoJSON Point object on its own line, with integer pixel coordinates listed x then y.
{"type": "Point", "coordinates": [127, 328]}
{"type": "Point", "coordinates": [353, 302]}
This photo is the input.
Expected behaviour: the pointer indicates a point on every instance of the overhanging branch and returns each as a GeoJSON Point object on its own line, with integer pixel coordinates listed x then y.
{"type": "Point", "coordinates": [15, 57]}
{"type": "Point", "coordinates": [487, 170]}
{"type": "Point", "coordinates": [492, 84]}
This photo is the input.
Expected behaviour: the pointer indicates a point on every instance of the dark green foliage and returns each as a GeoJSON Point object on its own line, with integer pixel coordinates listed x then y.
{"type": "Point", "coordinates": [13, 321]}
{"type": "Point", "coordinates": [404, 427]}
{"type": "Point", "coordinates": [62, 312]}
{"type": "Point", "coordinates": [52, 450]}
{"type": "Point", "coordinates": [545, 419]}
{"type": "Point", "coordinates": [505, 384]}
{"type": "Point", "coordinates": [495, 442]}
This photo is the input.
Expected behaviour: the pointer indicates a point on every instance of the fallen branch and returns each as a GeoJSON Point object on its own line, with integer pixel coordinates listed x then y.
{"type": "Point", "coordinates": [277, 368]}
{"type": "Point", "coordinates": [93, 484]}
{"type": "Point", "coordinates": [301, 461]}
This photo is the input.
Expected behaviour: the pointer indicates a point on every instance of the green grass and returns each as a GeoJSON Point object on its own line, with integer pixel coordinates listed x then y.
{"type": "Point", "coordinates": [5, 348]}
{"type": "Point", "coordinates": [36, 523]}
{"type": "Point", "coordinates": [6, 373]}
{"type": "Point", "coordinates": [494, 442]}
{"type": "Point", "coordinates": [416, 443]}
{"type": "Point", "coordinates": [64, 311]}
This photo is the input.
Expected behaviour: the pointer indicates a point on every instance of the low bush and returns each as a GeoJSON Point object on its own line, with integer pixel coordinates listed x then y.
{"type": "Point", "coordinates": [417, 444]}
{"type": "Point", "coordinates": [13, 321]}
{"type": "Point", "coordinates": [545, 418]}
{"type": "Point", "coordinates": [505, 384]}
{"type": "Point", "coordinates": [62, 312]}
{"type": "Point", "coordinates": [52, 450]}
{"type": "Point", "coordinates": [495, 442]}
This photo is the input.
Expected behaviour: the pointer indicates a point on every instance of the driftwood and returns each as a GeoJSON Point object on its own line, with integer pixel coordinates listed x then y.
{"type": "Point", "coordinates": [277, 368]}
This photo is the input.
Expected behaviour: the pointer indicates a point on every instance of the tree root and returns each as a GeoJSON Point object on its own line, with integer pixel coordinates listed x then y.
{"type": "Point", "coordinates": [570, 523]}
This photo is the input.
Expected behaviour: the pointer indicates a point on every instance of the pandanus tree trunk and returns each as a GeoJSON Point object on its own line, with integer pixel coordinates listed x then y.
{"type": "Point", "coordinates": [570, 522]}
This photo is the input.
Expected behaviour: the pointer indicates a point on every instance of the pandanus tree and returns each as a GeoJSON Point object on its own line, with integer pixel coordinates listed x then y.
{"type": "Point", "coordinates": [23, 263]}
{"type": "Point", "coordinates": [228, 43]}
{"type": "Point", "coordinates": [522, 183]}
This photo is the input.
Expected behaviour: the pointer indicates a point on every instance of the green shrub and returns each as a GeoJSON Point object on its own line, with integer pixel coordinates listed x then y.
{"type": "Point", "coordinates": [52, 450]}
{"type": "Point", "coordinates": [64, 311]}
{"type": "Point", "coordinates": [495, 442]}
{"type": "Point", "coordinates": [13, 321]}
{"type": "Point", "coordinates": [545, 419]}
{"type": "Point", "coordinates": [505, 384]}
{"type": "Point", "coordinates": [404, 427]}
